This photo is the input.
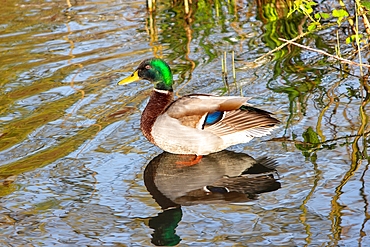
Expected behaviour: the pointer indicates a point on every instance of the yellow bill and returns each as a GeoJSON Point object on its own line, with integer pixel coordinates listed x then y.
{"type": "Point", "coordinates": [132, 78]}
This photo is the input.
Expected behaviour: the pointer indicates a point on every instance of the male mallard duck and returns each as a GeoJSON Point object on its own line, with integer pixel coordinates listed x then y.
{"type": "Point", "coordinates": [197, 123]}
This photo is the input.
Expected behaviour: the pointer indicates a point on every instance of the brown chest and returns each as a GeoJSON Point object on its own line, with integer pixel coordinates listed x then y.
{"type": "Point", "coordinates": [158, 103]}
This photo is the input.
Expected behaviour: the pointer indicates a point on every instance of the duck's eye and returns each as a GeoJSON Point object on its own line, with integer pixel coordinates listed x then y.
{"type": "Point", "coordinates": [148, 67]}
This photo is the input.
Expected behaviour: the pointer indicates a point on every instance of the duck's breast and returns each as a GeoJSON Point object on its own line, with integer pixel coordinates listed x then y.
{"type": "Point", "coordinates": [172, 136]}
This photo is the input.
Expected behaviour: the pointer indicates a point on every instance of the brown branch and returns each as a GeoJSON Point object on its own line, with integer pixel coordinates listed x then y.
{"type": "Point", "coordinates": [277, 48]}
{"type": "Point", "coordinates": [342, 60]}
{"type": "Point", "coordinates": [285, 44]}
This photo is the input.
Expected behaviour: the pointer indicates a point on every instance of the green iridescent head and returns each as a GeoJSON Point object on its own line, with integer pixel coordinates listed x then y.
{"type": "Point", "coordinates": [154, 70]}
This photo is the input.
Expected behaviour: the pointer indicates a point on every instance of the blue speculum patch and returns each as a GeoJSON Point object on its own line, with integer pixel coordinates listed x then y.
{"type": "Point", "coordinates": [213, 117]}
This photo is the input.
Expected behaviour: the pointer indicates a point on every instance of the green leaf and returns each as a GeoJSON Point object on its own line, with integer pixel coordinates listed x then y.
{"type": "Point", "coordinates": [352, 38]}
{"type": "Point", "coordinates": [322, 15]}
{"type": "Point", "coordinates": [340, 13]}
{"type": "Point", "coordinates": [310, 4]}
{"type": "Point", "coordinates": [366, 4]}
{"type": "Point", "coordinates": [325, 15]}
{"type": "Point", "coordinates": [349, 39]}
{"type": "Point", "coordinates": [310, 136]}
{"type": "Point", "coordinates": [306, 6]}
{"type": "Point", "coordinates": [312, 27]}
{"type": "Point", "coordinates": [311, 141]}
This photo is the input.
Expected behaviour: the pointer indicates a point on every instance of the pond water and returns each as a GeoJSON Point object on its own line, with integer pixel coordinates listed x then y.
{"type": "Point", "coordinates": [75, 169]}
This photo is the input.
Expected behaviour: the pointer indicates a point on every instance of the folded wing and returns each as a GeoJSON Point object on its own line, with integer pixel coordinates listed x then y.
{"type": "Point", "coordinates": [222, 115]}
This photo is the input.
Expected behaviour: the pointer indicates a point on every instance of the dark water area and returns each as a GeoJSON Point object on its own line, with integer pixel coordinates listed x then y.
{"type": "Point", "coordinates": [75, 169]}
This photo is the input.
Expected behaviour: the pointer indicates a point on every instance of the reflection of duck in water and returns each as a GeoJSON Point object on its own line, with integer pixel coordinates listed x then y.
{"type": "Point", "coordinates": [223, 177]}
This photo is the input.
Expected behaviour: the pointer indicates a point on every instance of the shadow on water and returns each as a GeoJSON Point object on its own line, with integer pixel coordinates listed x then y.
{"type": "Point", "coordinates": [219, 178]}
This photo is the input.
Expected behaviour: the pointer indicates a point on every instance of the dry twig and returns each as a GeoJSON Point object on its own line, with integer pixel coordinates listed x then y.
{"type": "Point", "coordinates": [342, 60]}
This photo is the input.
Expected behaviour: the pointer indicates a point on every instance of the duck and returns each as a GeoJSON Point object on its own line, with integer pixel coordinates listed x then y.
{"type": "Point", "coordinates": [195, 124]}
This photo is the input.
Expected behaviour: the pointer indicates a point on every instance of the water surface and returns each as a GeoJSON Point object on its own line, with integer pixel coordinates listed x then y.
{"type": "Point", "coordinates": [72, 156]}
